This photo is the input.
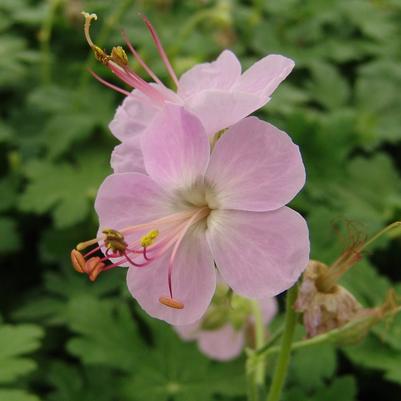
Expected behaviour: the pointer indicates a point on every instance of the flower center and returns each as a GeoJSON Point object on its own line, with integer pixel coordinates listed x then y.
{"type": "Point", "coordinates": [139, 245]}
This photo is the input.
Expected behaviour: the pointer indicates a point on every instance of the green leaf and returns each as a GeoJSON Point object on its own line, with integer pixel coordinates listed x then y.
{"type": "Point", "coordinates": [9, 235]}
{"type": "Point", "coordinates": [16, 395]}
{"type": "Point", "coordinates": [360, 280]}
{"type": "Point", "coordinates": [375, 354]}
{"type": "Point", "coordinates": [72, 383]}
{"type": "Point", "coordinates": [16, 341]}
{"type": "Point", "coordinates": [174, 370]}
{"type": "Point", "coordinates": [108, 334]}
{"type": "Point", "coordinates": [327, 86]}
{"type": "Point", "coordinates": [73, 114]}
{"type": "Point", "coordinates": [312, 366]}
{"type": "Point", "coordinates": [63, 189]}
{"type": "Point", "coordinates": [370, 193]}
{"type": "Point", "coordinates": [343, 388]}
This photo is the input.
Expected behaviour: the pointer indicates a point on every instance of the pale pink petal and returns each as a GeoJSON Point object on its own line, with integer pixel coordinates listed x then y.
{"type": "Point", "coordinates": [222, 344]}
{"type": "Point", "coordinates": [269, 307]}
{"type": "Point", "coordinates": [128, 157]}
{"type": "Point", "coordinates": [175, 148]}
{"type": "Point", "coordinates": [219, 109]}
{"type": "Point", "coordinates": [127, 199]}
{"type": "Point", "coordinates": [255, 166]}
{"type": "Point", "coordinates": [188, 332]}
{"type": "Point", "coordinates": [133, 116]}
{"type": "Point", "coordinates": [259, 254]}
{"type": "Point", "coordinates": [193, 281]}
{"type": "Point", "coordinates": [220, 74]}
{"type": "Point", "coordinates": [263, 77]}
{"type": "Point", "coordinates": [137, 111]}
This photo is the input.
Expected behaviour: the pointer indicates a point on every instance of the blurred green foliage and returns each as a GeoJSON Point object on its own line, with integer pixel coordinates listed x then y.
{"type": "Point", "coordinates": [342, 105]}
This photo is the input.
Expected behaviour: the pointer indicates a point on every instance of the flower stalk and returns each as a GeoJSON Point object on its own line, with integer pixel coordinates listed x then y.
{"type": "Point", "coordinates": [283, 360]}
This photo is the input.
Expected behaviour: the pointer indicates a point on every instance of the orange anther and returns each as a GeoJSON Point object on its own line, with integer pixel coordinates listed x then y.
{"type": "Point", "coordinates": [93, 267]}
{"type": "Point", "coordinates": [171, 302]}
{"type": "Point", "coordinates": [78, 261]}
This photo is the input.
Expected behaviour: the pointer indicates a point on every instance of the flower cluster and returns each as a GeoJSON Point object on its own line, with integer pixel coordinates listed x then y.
{"type": "Point", "coordinates": [198, 187]}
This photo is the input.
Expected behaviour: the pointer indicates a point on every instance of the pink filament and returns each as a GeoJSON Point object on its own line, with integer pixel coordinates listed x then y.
{"type": "Point", "coordinates": [140, 59]}
{"type": "Point", "coordinates": [109, 85]}
{"type": "Point", "coordinates": [160, 49]}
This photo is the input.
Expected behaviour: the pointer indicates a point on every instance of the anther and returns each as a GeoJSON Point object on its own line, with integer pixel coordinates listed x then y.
{"type": "Point", "coordinates": [78, 261]}
{"type": "Point", "coordinates": [171, 302]}
{"type": "Point", "coordinates": [119, 56]}
{"type": "Point", "coordinates": [149, 238]}
{"type": "Point", "coordinates": [83, 245]}
{"type": "Point", "coordinates": [115, 241]}
{"type": "Point", "coordinates": [93, 267]}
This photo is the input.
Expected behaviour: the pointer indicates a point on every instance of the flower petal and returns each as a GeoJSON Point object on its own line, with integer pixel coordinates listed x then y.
{"type": "Point", "coordinates": [128, 199]}
{"type": "Point", "coordinates": [269, 308]}
{"type": "Point", "coordinates": [223, 344]}
{"type": "Point", "coordinates": [219, 109]}
{"type": "Point", "coordinates": [188, 332]}
{"type": "Point", "coordinates": [263, 77]}
{"type": "Point", "coordinates": [259, 254]}
{"type": "Point", "coordinates": [255, 166]}
{"type": "Point", "coordinates": [128, 157]}
{"type": "Point", "coordinates": [193, 281]}
{"type": "Point", "coordinates": [133, 116]}
{"type": "Point", "coordinates": [175, 148]}
{"type": "Point", "coordinates": [220, 74]}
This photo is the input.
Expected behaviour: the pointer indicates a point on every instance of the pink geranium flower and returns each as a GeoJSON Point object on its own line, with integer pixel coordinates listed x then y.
{"type": "Point", "coordinates": [198, 208]}
{"type": "Point", "coordinates": [217, 93]}
{"type": "Point", "coordinates": [227, 340]}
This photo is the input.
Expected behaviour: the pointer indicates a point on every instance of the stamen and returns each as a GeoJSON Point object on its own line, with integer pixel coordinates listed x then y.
{"type": "Point", "coordinates": [78, 261]}
{"type": "Point", "coordinates": [115, 241]}
{"type": "Point", "coordinates": [149, 238]}
{"type": "Point", "coordinates": [93, 267]}
{"type": "Point", "coordinates": [160, 49]}
{"type": "Point", "coordinates": [134, 80]}
{"type": "Point", "coordinates": [83, 245]}
{"type": "Point", "coordinates": [119, 56]}
{"type": "Point", "coordinates": [171, 302]}
{"type": "Point", "coordinates": [109, 85]}
{"type": "Point", "coordinates": [140, 59]}
{"type": "Point", "coordinates": [196, 217]}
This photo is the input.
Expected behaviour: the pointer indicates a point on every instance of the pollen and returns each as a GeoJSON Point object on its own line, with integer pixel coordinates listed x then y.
{"type": "Point", "coordinates": [114, 240]}
{"type": "Point", "coordinates": [78, 261]}
{"type": "Point", "coordinates": [149, 238]}
{"type": "Point", "coordinates": [119, 56]}
{"type": "Point", "coordinates": [171, 302]}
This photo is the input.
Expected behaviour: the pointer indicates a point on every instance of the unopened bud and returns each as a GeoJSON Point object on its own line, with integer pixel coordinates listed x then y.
{"type": "Point", "coordinates": [214, 319]}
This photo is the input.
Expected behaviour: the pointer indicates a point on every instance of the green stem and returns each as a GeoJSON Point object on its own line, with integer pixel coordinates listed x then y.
{"type": "Point", "coordinates": [259, 340]}
{"type": "Point", "coordinates": [332, 336]}
{"type": "Point", "coordinates": [283, 360]}
{"type": "Point", "coordinates": [44, 39]}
